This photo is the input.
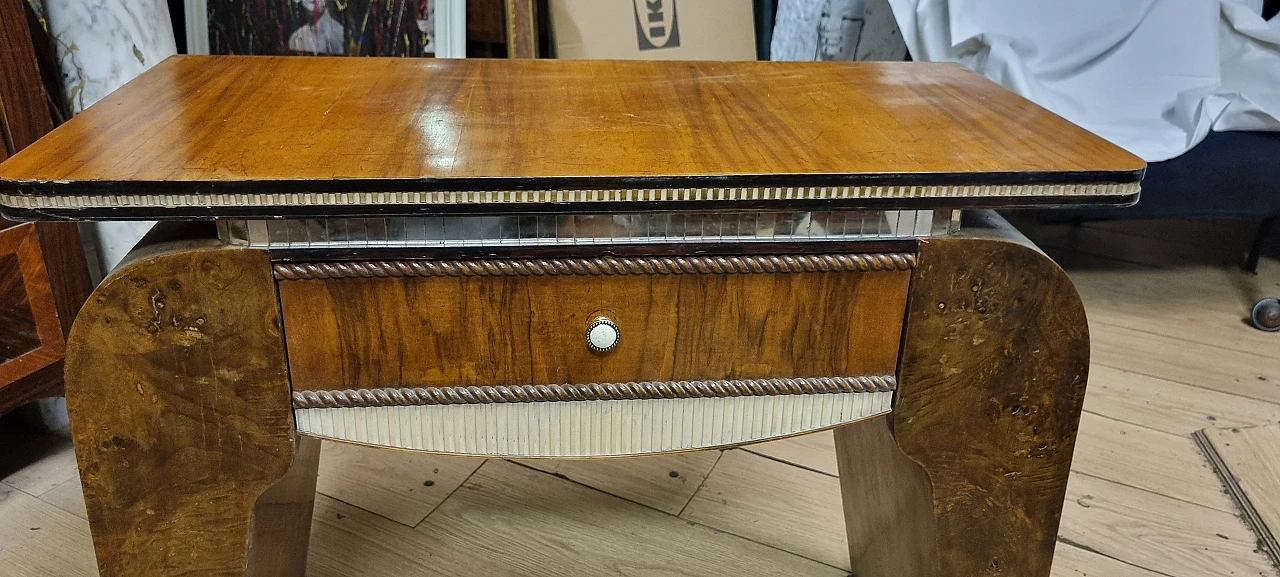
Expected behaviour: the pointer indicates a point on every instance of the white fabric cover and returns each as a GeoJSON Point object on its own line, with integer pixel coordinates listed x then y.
{"type": "Point", "coordinates": [1153, 76]}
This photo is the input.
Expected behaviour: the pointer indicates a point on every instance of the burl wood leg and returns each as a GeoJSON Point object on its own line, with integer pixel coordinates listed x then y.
{"type": "Point", "coordinates": [180, 413]}
{"type": "Point", "coordinates": [967, 476]}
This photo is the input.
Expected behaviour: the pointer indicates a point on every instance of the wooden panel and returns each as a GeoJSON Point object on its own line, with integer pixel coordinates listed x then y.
{"type": "Point", "coordinates": [184, 345]}
{"type": "Point", "coordinates": [994, 364]}
{"type": "Point", "coordinates": [449, 331]}
{"type": "Point", "coordinates": [888, 514]}
{"type": "Point", "coordinates": [16, 317]}
{"type": "Point", "coordinates": [31, 333]}
{"type": "Point", "coordinates": [485, 23]}
{"type": "Point", "coordinates": [522, 28]}
{"type": "Point", "coordinates": [281, 527]}
{"type": "Point", "coordinates": [369, 125]}
{"type": "Point", "coordinates": [68, 271]}
{"type": "Point", "coordinates": [49, 280]}
{"type": "Point", "coordinates": [25, 110]}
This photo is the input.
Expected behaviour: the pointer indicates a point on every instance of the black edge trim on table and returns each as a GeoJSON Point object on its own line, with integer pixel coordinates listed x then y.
{"type": "Point", "coordinates": [512, 209]}
{"type": "Point", "coordinates": [149, 187]}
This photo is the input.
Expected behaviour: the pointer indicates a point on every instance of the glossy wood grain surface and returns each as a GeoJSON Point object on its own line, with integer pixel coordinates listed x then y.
{"type": "Point", "coordinates": [178, 396]}
{"type": "Point", "coordinates": [24, 114]}
{"type": "Point", "coordinates": [995, 356]}
{"type": "Point", "coordinates": [31, 337]}
{"type": "Point", "coordinates": [446, 331]}
{"type": "Point", "coordinates": [263, 124]}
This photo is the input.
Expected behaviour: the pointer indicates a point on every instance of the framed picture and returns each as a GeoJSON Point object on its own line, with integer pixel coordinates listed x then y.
{"type": "Point", "coordinates": [349, 27]}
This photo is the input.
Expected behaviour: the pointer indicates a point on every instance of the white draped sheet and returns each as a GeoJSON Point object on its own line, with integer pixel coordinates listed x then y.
{"type": "Point", "coordinates": [1153, 76]}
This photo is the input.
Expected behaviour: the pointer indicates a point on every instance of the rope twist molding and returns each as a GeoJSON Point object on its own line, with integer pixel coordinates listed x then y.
{"type": "Point", "coordinates": [598, 266]}
{"type": "Point", "coordinates": [390, 397]}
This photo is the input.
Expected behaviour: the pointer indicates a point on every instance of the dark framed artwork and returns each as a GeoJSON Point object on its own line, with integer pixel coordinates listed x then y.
{"type": "Point", "coordinates": [347, 27]}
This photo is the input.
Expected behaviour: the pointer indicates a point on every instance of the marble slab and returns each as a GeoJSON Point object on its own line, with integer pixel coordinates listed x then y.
{"type": "Point", "coordinates": [101, 45]}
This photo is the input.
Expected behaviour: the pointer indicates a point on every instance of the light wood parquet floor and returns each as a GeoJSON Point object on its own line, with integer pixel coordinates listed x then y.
{"type": "Point", "coordinates": [1171, 355]}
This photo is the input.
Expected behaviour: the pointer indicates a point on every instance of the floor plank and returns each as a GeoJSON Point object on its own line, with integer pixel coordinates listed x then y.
{"type": "Point", "coordinates": [1072, 561]}
{"type": "Point", "coordinates": [403, 486]}
{"type": "Point", "coordinates": [815, 451]}
{"type": "Point", "coordinates": [1220, 326]}
{"type": "Point", "coordinates": [1162, 534]}
{"type": "Point", "coordinates": [1168, 406]}
{"type": "Point", "coordinates": [69, 496]}
{"type": "Point", "coordinates": [1252, 457]}
{"type": "Point", "coordinates": [1196, 364]}
{"type": "Point", "coordinates": [664, 482]}
{"type": "Point", "coordinates": [787, 507]}
{"type": "Point", "coordinates": [38, 539]}
{"type": "Point", "coordinates": [1205, 299]}
{"type": "Point", "coordinates": [1181, 292]}
{"type": "Point", "coordinates": [1147, 459]}
{"type": "Point", "coordinates": [508, 519]}
{"type": "Point", "coordinates": [35, 463]}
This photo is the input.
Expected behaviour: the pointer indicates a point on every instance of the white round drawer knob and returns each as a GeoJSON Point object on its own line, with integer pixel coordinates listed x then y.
{"type": "Point", "coordinates": [602, 334]}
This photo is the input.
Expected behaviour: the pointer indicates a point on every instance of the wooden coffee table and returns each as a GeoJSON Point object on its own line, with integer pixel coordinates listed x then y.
{"type": "Point", "coordinates": [570, 259]}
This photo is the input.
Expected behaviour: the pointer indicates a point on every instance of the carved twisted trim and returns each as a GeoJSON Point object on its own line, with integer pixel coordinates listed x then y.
{"type": "Point", "coordinates": [598, 266]}
{"type": "Point", "coordinates": [390, 397]}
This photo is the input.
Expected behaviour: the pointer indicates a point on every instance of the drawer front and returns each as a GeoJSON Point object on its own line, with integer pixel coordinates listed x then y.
{"type": "Point", "coordinates": [354, 325]}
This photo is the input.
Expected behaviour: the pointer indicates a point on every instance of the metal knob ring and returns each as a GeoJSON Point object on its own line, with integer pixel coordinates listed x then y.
{"type": "Point", "coordinates": [603, 334]}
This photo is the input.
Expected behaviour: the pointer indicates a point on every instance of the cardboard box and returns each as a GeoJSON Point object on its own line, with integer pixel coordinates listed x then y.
{"type": "Point", "coordinates": [654, 29]}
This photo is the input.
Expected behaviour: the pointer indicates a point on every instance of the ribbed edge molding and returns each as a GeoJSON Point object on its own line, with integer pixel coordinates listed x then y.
{"type": "Point", "coordinates": [388, 397]}
{"type": "Point", "coordinates": [36, 202]}
{"type": "Point", "coordinates": [598, 266]}
{"type": "Point", "coordinates": [590, 428]}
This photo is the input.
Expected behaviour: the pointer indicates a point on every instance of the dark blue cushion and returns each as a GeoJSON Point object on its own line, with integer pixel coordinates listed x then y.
{"type": "Point", "coordinates": [1228, 175]}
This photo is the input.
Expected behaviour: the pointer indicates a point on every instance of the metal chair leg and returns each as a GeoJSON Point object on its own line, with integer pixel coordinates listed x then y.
{"type": "Point", "coordinates": [1255, 252]}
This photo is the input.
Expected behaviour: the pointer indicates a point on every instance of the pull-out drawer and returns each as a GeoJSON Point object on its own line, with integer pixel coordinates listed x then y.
{"type": "Point", "coordinates": [446, 333]}
{"type": "Point", "coordinates": [509, 329]}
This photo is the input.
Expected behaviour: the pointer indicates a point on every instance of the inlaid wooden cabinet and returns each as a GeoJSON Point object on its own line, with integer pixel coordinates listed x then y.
{"type": "Point", "coordinates": [43, 274]}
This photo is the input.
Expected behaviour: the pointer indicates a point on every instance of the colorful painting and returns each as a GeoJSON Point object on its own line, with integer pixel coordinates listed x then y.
{"type": "Point", "coordinates": [347, 27]}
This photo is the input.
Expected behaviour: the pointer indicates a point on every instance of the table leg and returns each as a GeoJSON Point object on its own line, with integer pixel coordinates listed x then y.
{"type": "Point", "coordinates": [180, 413]}
{"type": "Point", "coordinates": [992, 380]}
{"type": "Point", "coordinates": [887, 506]}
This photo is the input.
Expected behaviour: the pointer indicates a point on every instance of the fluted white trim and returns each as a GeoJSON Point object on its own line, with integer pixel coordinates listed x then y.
{"type": "Point", "coordinates": [36, 202]}
{"type": "Point", "coordinates": [590, 428]}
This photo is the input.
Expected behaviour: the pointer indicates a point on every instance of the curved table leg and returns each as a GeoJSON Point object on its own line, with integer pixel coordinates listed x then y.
{"type": "Point", "coordinates": [180, 412]}
{"type": "Point", "coordinates": [992, 380]}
